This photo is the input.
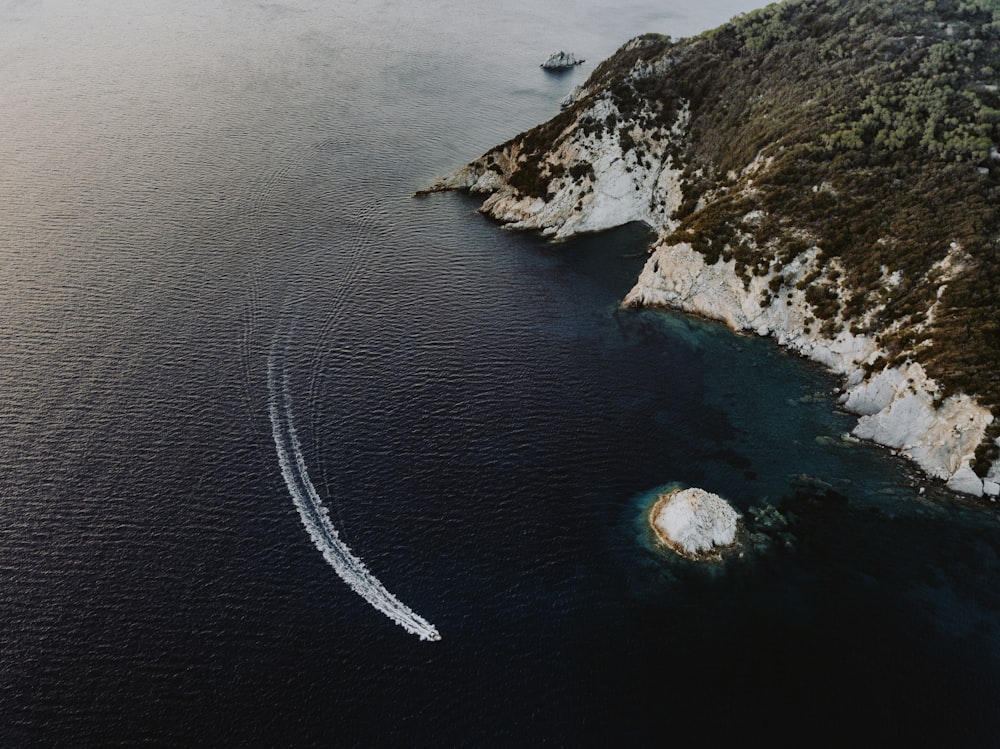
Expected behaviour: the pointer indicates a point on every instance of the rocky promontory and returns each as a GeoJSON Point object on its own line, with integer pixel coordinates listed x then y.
{"type": "Point", "coordinates": [822, 172]}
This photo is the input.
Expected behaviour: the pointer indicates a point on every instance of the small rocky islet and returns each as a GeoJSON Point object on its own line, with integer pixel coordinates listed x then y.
{"type": "Point", "coordinates": [561, 61]}
{"type": "Point", "coordinates": [695, 523]}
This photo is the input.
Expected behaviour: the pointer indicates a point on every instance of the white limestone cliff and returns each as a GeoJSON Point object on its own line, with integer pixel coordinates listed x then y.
{"type": "Point", "coordinates": [621, 185]}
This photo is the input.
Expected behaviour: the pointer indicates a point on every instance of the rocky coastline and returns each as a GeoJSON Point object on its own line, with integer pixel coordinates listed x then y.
{"type": "Point", "coordinates": [612, 158]}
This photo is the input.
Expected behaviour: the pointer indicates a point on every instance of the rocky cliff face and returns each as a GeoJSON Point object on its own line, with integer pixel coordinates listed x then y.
{"type": "Point", "coordinates": [780, 215]}
{"type": "Point", "coordinates": [899, 406]}
{"type": "Point", "coordinates": [601, 168]}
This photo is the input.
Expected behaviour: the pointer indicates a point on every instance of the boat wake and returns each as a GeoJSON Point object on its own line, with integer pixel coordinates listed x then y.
{"type": "Point", "coordinates": [316, 518]}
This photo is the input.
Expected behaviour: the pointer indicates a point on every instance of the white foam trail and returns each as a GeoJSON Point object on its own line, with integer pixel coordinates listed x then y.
{"type": "Point", "coordinates": [317, 520]}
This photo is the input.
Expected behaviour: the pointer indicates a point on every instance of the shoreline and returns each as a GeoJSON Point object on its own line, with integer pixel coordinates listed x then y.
{"type": "Point", "coordinates": [898, 407]}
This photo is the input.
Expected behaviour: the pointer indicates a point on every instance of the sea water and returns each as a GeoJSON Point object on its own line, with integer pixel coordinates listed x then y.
{"type": "Point", "coordinates": [198, 195]}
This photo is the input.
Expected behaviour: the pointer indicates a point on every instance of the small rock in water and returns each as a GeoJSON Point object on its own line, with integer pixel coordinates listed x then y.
{"type": "Point", "coordinates": [768, 517]}
{"type": "Point", "coordinates": [561, 61]}
{"type": "Point", "coordinates": [694, 522]}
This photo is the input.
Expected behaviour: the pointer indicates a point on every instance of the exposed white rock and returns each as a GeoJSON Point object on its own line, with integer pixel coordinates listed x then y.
{"type": "Point", "coordinates": [561, 60]}
{"type": "Point", "coordinates": [694, 522]}
{"type": "Point", "coordinates": [676, 276]}
{"type": "Point", "coordinates": [966, 481]}
{"type": "Point", "coordinates": [634, 184]}
{"type": "Point", "coordinates": [991, 488]}
{"type": "Point", "coordinates": [573, 96]}
{"type": "Point", "coordinates": [941, 439]}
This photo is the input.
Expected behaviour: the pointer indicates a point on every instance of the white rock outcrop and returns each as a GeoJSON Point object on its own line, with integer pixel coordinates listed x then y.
{"type": "Point", "coordinates": [966, 481]}
{"type": "Point", "coordinates": [621, 184]}
{"type": "Point", "coordinates": [561, 61]}
{"type": "Point", "coordinates": [694, 522]}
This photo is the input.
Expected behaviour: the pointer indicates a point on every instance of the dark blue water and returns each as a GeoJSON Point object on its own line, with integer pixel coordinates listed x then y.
{"type": "Point", "coordinates": [188, 191]}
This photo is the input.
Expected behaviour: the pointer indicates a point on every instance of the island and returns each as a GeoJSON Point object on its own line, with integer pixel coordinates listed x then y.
{"type": "Point", "coordinates": [561, 61]}
{"type": "Point", "coordinates": [695, 523]}
{"type": "Point", "coordinates": [822, 172]}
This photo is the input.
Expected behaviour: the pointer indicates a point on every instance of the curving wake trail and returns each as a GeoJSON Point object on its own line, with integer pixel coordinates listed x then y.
{"type": "Point", "coordinates": [316, 518]}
